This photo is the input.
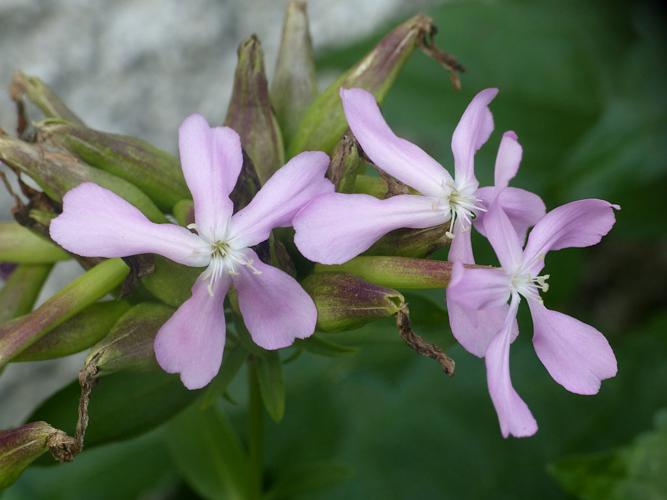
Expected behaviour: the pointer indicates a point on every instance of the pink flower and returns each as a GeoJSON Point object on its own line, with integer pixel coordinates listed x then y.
{"type": "Point", "coordinates": [97, 223]}
{"type": "Point", "coordinates": [474, 329]}
{"type": "Point", "coordinates": [575, 354]}
{"type": "Point", "coordinates": [337, 227]}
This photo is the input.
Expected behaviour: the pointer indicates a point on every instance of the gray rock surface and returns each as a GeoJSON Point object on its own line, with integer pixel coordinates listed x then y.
{"type": "Point", "coordinates": [139, 67]}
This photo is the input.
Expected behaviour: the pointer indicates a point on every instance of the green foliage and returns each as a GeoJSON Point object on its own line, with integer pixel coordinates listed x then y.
{"type": "Point", "coordinates": [77, 333]}
{"type": "Point", "coordinates": [271, 384]}
{"type": "Point", "coordinates": [207, 452]}
{"type": "Point", "coordinates": [123, 405]}
{"type": "Point", "coordinates": [635, 471]}
{"type": "Point", "coordinates": [19, 244]}
{"type": "Point", "coordinates": [140, 468]}
{"type": "Point", "coordinates": [306, 478]}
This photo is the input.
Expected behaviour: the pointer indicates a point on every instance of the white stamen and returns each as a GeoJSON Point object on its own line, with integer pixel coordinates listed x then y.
{"type": "Point", "coordinates": [523, 283]}
{"type": "Point", "coordinates": [463, 207]}
{"type": "Point", "coordinates": [224, 258]}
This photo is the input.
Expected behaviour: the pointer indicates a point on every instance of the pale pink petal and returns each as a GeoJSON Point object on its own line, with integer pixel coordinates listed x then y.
{"type": "Point", "coordinates": [507, 160]}
{"type": "Point", "coordinates": [472, 328]}
{"type": "Point", "coordinates": [396, 156]}
{"type": "Point", "coordinates": [513, 414]}
{"type": "Point", "coordinates": [503, 237]}
{"type": "Point", "coordinates": [98, 223]}
{"type": "Point", "coordinates": [283, 195]}
{"type": "Point", "coordinates": [475, 328]}
{"type": "Point", "coordinates": [337, 227]}
{"type": "Point", "coordinates": [460, 248]}
{"type": "Point", "coordinates": [576, 224]}
{"type": "Point", "coordinates": [275, 309]}
{"type": "Point", "coordinates": [523, 208]}
{"type": "Point", "coordinates": [471, 133]}
{"type": "Point", "coordinates": [478, 288]}
{"type": "Point", "coordinates": [575, 354]}
{"type": "Point", "coordinates": [211, 158]}
{"type": "Point", "coordinates": [192, 341]}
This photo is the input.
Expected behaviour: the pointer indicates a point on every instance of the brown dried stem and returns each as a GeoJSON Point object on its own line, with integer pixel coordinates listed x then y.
{"type": "Point", "coordinates": [448, 61]}
{"type": "Point", "coordinates": [419, 345]}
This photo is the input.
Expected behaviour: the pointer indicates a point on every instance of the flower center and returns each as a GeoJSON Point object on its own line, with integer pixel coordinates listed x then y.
{"type": "Point", "coordinates": [225, 258]}
{"type": "Point", "coordinates": [463, 207]}
{"type": "Point", "coordinates": [529, 286]}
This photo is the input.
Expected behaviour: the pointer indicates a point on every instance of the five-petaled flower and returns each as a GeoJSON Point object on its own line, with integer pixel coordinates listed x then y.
{"type": "Point", "coordinates": [97, 223]}
{"type": "Point", "coordinates": [337, 227]}
{"type": "Point", "coordinates": [575, 354]}
{"type": "Point", "coordinates": [474, 328]}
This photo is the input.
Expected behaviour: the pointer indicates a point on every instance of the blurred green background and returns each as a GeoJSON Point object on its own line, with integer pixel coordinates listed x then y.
{"type": "Point", "coordinates": [583, 85]}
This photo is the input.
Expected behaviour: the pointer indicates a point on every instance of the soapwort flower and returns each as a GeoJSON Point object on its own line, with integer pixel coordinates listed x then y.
{"type": "Point", "coordinates": [474, 329]}
{"type": "Point", "coordinates": [98, 223]}
{"type": "Point", "coordinates": [575, 354]}
{"type": "Point", "coordinates": [337, 227]}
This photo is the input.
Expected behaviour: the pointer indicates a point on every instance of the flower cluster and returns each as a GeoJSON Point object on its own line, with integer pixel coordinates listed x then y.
{"type": "Point", "coordinates": [332, 228]}
{"type": "Point", "coordinates": [276, 310]}
{"type": "Point", "coordinates": [482, 303]}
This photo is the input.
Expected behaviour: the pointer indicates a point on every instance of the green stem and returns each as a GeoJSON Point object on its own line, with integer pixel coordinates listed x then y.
{"type": "Point", "coordinates": [91, 286]}
{"type": "Point", "coordinates": [255, 426]}
{"type": "Point", "coordinates": [20, 291]}
{"type": "Point", "coordinates": [395, 272]}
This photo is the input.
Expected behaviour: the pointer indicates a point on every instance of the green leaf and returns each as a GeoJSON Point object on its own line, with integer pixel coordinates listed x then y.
{"type": "Point", "coordinates": [307, 478]}
{"type": "Point", "coordinates": [271, 384]}
{"type": "Point", "coordinates": [636, 471]}
{"type": "Point", "coordinates": [317, 344]}
{"type": "Point", "coordinates": [140, 468]}
{"type": "Point", "coordinates": [232, 361]}
{"type": "Point", "coordinates": [208, 453]}
{"type": "Point", "coordinates": [122, 405]}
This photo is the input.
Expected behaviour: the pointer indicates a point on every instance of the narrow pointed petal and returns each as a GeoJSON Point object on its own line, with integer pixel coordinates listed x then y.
{"type": "Point", "coordinates": [337, 227]}
{"type": "Point", "coordinates": [98, 223]}
{"type": "Point", "coordinates": [192, 341]}
{"type": "Point", "coordinates": [514, 415]}
{"type": "Point", "coordinates": [507, 160]}
{"type": "Point", "coordinates": [577, 224]}
{"type": "Point", "coordinates": [523, 208]}
{"type": "Point", "coordinates": [575, 354]}
{"type": "Point", "coordinates": [471, 133]}
{"type": "Point", "coordinates": [503, 237]}
{"type": "Point", "coordinates": [275, 309]}
{"type": "Point", "coordinates": [211, 159]}
{"type": "Point", "coordinates": [284, 194]}
{"type": "Point", "coordinates": [478, 288]}
{"type": "Point", "coordinates": [475, 328]}
{"type": "Point", "coordinates": [396, 156]}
